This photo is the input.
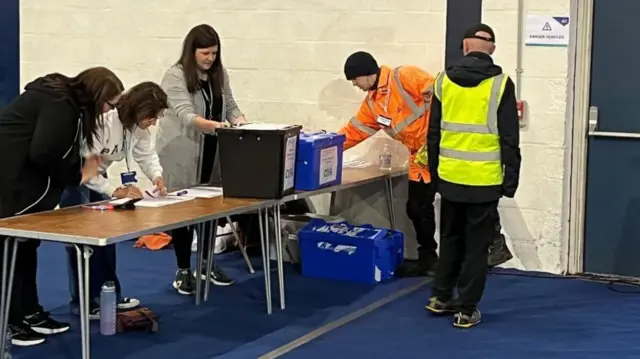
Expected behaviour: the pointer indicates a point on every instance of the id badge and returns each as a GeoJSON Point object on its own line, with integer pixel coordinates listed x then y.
{"type": "Point", "coordinates": [128, 177]}
{"type": "Point", "coordinates": [384, 121]}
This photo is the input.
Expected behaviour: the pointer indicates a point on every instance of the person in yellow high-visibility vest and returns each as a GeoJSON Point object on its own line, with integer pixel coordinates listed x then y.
{"type": "Point", "coordinates": [473, 148]}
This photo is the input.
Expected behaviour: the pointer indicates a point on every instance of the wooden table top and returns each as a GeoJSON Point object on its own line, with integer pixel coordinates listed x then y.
{"type": "Point", "coordinates": [81, 225]}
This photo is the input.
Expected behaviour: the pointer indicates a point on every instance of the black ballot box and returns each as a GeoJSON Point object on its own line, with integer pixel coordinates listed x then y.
{"type": "Point", "coordinates": [258, 160]}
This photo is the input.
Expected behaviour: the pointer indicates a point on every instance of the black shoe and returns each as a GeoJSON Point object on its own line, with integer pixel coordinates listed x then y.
{"type": "Point", "coordinates": [438, 307]}
{"type": "Point", "coordinates": [466, 321]}
{"type": "Point", "coordinates": [217, 277]}
{"type": "Point", "coordinates": [94, 310]}
{"type": "Point", "coordinates": [42, 323]}
{"type": "Point", "coordinates": [128, 303]}
{"type": "Point", "coordinates": [419, 268]}
{"type": "Point", "coordinates": [499, 252]}
{"type": "Point", "coordinates": [184, 282]}
{"type": "Point", "coordinates": [23, 336]}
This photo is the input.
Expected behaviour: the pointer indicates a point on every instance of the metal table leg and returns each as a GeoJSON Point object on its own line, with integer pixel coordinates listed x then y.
{"type": "Point", "coordinates": [392, 212]}
{"type": "Point", "coordinates": [8, 271]}
{"type": "Point", "coordinates": [279, 254]}
{"type": "Point", "coordinates": [198, 275]}
{"type": "Point", "coordinates": [241, 245]}
{"type": "Point", "coordinates": [211, 241]}
{"type": "Point", "coordinates": [83, 255]}
{"type": "Point", "coordinates": [266, 265]}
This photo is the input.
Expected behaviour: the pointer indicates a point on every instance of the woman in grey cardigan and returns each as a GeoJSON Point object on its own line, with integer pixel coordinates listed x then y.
{"type": "Point", "coordinates": [201, 101]}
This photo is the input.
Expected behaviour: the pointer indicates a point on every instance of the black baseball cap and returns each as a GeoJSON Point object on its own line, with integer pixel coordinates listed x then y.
{"type": "Point", "coordinates": [473, 30]}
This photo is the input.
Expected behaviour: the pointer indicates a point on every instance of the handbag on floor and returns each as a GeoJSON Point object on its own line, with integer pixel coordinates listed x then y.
{"type": "Point", "coordinates": [137, 320]}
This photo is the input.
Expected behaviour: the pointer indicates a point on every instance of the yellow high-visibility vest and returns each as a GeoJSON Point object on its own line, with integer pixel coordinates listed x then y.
{"type": "Point", "coordinates": [470, 144]}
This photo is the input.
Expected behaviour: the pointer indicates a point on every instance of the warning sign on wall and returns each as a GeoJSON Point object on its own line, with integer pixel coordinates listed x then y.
{"type": "Point", "coordinates": [544, 30]}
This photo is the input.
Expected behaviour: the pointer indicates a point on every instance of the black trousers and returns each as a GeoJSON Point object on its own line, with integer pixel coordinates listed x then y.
{"type": "Point", "coordinates": [24, 295]}
{"type": "Point", "coordinates": [466, 231]}
{"type": "Point", "coordinates": [423, 216]}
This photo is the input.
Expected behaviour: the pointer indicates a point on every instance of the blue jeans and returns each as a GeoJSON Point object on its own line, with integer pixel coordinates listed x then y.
{"type": "Point", "coordinates": [102, 263]}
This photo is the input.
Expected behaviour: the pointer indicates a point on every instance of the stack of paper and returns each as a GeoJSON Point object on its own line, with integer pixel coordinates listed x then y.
{"type": "Point", "coordinates": [200, 192]}
{"type": "Point", "coordinates": [155, 202]}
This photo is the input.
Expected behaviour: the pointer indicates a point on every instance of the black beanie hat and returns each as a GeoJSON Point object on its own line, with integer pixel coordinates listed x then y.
{"type": "Point", "coordinates": [360, 64]}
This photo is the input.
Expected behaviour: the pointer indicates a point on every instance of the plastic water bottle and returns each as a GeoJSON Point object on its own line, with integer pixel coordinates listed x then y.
{"type": "Point", "coordinates": [385, 158]}
{"type": "Point", "coordinates": [108, 309]}
{"type": "Point", "coordinates": [7, 345]}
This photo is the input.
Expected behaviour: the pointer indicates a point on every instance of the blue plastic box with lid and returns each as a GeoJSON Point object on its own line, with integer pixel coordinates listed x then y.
{"type": "Point", "coordinates": [319, 160]}
{"type": "Point", "coordinates": [341, 251]}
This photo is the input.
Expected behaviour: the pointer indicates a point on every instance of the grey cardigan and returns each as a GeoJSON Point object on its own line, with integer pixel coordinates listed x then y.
{"type": "Point", "coordinates": [179, 143]}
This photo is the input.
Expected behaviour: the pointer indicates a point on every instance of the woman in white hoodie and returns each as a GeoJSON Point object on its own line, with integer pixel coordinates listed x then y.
{"type": "Point", "coordinates": [124, 136]}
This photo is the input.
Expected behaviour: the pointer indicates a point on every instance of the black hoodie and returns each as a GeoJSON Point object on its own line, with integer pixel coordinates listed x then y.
{"type": "Point", "coordinates": [469, 72]}
{"type": "Point", "coordinates": [40, 133]}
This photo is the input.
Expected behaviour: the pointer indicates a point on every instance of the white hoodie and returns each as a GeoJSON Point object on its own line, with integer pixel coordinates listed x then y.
{"type": "Point", "coordinates": [112, 141]}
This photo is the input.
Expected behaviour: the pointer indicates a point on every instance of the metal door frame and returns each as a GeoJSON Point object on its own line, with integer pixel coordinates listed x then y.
{"type": "Point", "coordinates": [576, 135]}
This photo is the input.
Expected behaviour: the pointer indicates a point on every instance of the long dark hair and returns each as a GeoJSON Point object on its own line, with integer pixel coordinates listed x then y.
{"type": "Point", "coordinates": [144, 100]}
{"type": "Point", "coordinates": [201, 37]}
{"type": "Point", "coordinates": [90, 89]}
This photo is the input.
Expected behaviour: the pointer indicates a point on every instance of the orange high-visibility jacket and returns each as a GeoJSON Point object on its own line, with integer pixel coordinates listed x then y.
{"type": "Point", "coordinates": [400, 106]}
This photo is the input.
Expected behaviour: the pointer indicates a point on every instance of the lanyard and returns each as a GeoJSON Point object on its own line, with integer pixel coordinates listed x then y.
{"type": "Point", "coordinates": [124, 149]}
{"type": "Point", "coordinates": [209, 98]}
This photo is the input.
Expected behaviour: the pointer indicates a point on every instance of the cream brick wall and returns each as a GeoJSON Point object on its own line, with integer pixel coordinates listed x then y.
{"type": "Point", "coordinates": [532, 220]}
{"type": "Point", "coordinates": [285, 59]}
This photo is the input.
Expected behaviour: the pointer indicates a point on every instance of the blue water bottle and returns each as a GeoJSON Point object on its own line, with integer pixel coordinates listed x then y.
{"type": "Point", "coordinates": [108, 309]}
{"type": "Point", "coordinates": [7, 344]}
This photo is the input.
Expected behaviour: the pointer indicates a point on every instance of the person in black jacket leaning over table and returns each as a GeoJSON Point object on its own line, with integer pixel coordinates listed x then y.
{"type": "Point", "coordinates": [40, 136]}
{"type": "Point", "coordinates": [474, 158]}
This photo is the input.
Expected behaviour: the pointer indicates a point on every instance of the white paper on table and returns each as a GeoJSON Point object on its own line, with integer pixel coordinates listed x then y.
{"type": "Point", "coordinates": [201, 192]}
{"type": "Point", "coordinates": [155, 202]}
{"type": "Point", "coordinates": [263, 126]}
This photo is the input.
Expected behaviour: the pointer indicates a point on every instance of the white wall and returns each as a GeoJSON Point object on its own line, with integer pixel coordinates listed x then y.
{"type": "Point", "coordinates": [286, 58]}
{"type": "Point", "coordinates": [533, 220]}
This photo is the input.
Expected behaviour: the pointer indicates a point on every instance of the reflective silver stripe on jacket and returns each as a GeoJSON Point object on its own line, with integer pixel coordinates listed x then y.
{"type": "Point", "coordinates": [416, 111]}
{"type": "Point", "coordinates": [491, 127]}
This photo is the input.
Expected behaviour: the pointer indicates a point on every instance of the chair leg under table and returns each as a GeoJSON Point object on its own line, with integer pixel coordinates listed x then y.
{"type": "Point", "coordinates": [83, 255]}
{"type": "Point", "coordinates": [8, 270]}
{"type": "Point", "coordinates": [241, 245]}
{"type": "Point", "coordinates": [266, 265]}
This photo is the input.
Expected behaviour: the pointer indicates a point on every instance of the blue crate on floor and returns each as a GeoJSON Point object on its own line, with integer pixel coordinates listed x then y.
{"type": "Point", "coordinates": [319, 160]}
{"type": "Point", "coordinates": [342, 251]}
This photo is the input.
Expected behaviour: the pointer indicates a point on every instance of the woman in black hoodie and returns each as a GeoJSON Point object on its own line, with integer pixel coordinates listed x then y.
{"type": "Point", "coordinates": [40, 136]}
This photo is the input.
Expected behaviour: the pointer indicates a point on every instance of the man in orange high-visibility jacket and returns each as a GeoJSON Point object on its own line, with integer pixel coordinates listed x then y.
{"type": "Point", "coordinates": [398, 102]}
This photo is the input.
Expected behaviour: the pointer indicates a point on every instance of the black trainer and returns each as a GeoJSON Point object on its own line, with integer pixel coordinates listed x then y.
{"type": "Point", "coordinates": [42, 323]}
{"type": "Point", "coordinates": [438, 307]}
{"type": "Point", "coordinates": [465, 321]}
{"type": "Point", "coordinates": [217, 277]}
{"type": "Point", "coordinates": [128, 303]}
{"type": "Point", "coordinates": [183, 282]}
{"type": "Point", "coordinates": [94, 310]}
{"type": "Point", "coordinates": [499, 252]}
{"type": "Point", "coordinates": [416, 268]}
{"type": "Point", "coordinates": [23, 336]}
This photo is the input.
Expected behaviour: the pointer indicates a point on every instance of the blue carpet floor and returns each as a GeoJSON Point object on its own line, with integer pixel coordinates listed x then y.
{"type": "Point", "coordinates": [524, 318]}
{"type": "Point", "coordinates": [232, 324]}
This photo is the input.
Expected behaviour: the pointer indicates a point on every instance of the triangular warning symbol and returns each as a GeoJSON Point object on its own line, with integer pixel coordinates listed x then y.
{"type": "Point", "coordinates": [546, 27]}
